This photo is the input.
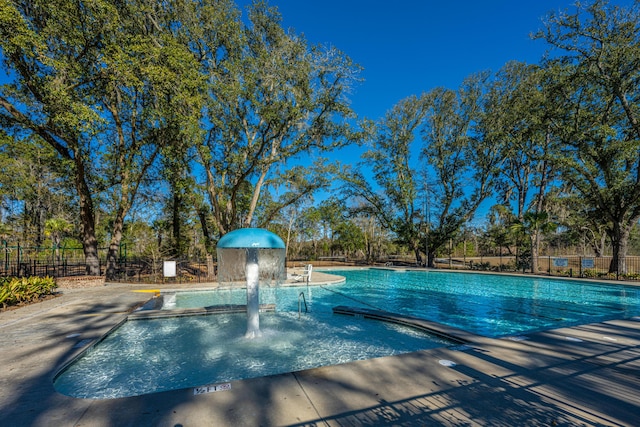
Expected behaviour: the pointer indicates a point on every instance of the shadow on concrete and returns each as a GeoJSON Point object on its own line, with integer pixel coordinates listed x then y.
{"type": "Point", "coordinates": [36, 347]}
{"type": "Point", "coordinates": [548, 380]}
{"type": "Point", "coordinates": [586, 375]}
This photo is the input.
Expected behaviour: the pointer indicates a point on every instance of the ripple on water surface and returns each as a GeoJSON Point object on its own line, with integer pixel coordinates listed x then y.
{"type": "Point", "coordinates": [146, 356]}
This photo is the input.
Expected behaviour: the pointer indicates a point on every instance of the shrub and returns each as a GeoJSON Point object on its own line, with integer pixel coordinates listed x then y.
{"type": "Point", "coordinates": [481, 266]}
{"type": "Point", "coordinates": [591, 273]}
{"type": "Point", "coordinates": [15, 290]}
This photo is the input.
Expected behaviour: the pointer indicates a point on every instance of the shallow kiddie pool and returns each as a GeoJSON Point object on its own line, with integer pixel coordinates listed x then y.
{"type": "Point", "coordinates": [145, 356]}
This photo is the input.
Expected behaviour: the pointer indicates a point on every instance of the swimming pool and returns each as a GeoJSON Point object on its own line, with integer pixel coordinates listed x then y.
{"type": "Point", "coordinates": [144, 356]}
{"type": "Point", "coordinates": [485, 304]}
{"type": "Point", "coordinates": [490, 304]}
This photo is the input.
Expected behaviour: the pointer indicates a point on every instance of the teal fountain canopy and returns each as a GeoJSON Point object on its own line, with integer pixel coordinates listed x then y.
{"type": "Point", "coordinates": [257, 238]}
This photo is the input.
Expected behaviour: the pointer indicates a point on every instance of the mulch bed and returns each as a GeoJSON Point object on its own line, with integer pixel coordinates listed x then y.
{"type": "Point", "coordinates": [76, 282]}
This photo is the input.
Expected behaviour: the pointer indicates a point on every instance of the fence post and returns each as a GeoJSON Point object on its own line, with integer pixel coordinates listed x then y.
{"type": "Point", "coordinates": [6, 256]}
{"type": "Point", "coordinates": [580, 261]}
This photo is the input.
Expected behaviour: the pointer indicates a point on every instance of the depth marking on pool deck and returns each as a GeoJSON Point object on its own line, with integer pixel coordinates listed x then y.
{"type": "Point", "coordinates": [212, 388]}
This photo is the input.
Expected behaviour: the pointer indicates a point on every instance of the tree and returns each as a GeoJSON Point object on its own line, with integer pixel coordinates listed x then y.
{"type": "Point", "coordinates": [311, 229]}
{"type": "Point", "coordinates": [463, 160]}
{"type": "Point", "coordinates": [272, 98]}
{"type": "Point", "coordinates": [533, 225]}
{"type": "Point", "coordinates": [518, 118]}
{"type": "Point", "coordinates": [150, 92]}
{"type": "Point", "coordinates": [349, 238]}
{"type": "Point", "coordinates": [375, 236]}
{"type": "Point", "coordinates": [208, 31]}
{"type": "Point", "coordinates": [56, 229]}
{"type": "Point", "coordinates": [104, 83]}
{"type": "Point", "coordinates": [295, 186]}
{"type": "Point", "coordinates": [331, 213]}
{"type": "Point", "coordinates": [395, 205]}
{"type": "Point", "coordinates": [53, 63]}
{"type": "Point", "coordinates": [596, 88]}
{"type": "Point", "coordinates": [576, 224]}
{"type": "Point", "coordinates": [32, 188]}
{"type": "Point", "coordinates": [497, 228]}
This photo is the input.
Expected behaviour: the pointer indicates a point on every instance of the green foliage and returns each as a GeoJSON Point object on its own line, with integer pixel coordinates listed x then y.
{"type": "Point", "coordinates": [109, 102]}
{"type": "Point", "coordinates": [14, 291]}
{"type": "Point", "coordinates": [595, 91]}
{"type": "Point", "coordinates": [592, 273]}
{"type": "Point", "coordinates": [462, 158]}
{"type": "Point", "coordinates": [349, 238]}
{"type": "Point", "coordinates": [33, 186]}
{"type": "Point", "coordinates": [396, 206]}
{"type": "Point", "coordinates": [517, 118]}
{"type": "Point", "coordinates": [272, 98]}
{"type": "Point", "coordinates": [533, 222]}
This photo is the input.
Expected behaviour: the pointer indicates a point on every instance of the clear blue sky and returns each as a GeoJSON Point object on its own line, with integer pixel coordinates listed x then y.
{"type": "Point", "coordinates": [408, 47]}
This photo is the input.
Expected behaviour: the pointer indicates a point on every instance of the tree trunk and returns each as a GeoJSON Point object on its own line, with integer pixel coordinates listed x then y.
{"type": "Point", "coordinates": [112, 258]}
{"type": "Point", "coordinates": [620, 243]}
{"type": "Point", "coordinates": [254, 198]}
{"type": "Point", "coordinates": [416, 250]}
{"type": "Point", "coordinates": [540, 207]}
{"type": "Point", "coordinates": [176, 225]}
{"type": "Point", "coordinates": [290, 226]}
{"type": "Point", "coordinates": [87, 221]}
{"type": "Point", "coordinates": [116, 238]}
{"type": "Point", "coordinates": [535, 249]}
{"type": "Point", "coordinates": [431, 256]}
{"type": "Point", "coordinates": [208, 241]}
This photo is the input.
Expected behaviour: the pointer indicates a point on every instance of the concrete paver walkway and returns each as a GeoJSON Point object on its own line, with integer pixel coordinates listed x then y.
{"type": "Point", "coordinates": [586, 375]}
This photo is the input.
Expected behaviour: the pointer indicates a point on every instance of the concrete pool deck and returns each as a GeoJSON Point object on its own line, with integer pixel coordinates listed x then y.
{"type": "Point", "coordinates": [585, 375]}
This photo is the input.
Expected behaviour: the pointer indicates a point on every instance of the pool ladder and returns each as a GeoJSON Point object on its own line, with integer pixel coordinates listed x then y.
{"type": "Point", "coordinates": [302, 299]}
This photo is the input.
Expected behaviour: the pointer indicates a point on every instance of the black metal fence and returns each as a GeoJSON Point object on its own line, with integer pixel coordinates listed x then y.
{"type": "Point", "coordinates": [590, 267]}
{"type": "Point", "coordinates": [165, 271]}
{"type": "Point", "coordinates": [23, 261]}
{"type": "Point", "coordinates": [19, 261]}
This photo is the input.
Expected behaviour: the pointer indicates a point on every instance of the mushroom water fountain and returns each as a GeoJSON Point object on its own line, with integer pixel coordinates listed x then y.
{"type": "Point", "coordinates": [252, 255]}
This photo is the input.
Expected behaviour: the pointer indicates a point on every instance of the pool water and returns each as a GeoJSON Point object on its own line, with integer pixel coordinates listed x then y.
{"type": "Point", "coordinates": [145, 356]}
{"type": "Point", "coordinates": [485, 304]}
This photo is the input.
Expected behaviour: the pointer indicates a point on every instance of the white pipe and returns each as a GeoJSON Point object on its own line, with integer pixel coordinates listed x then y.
{"type": "Point", "coordinates": [253, 301]}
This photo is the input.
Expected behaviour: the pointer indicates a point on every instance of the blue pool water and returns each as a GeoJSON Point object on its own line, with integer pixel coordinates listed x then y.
{"type": "Point", "coordinates": [491, 305]}
{"type": "Point", "coordinates": [145, 356]}
{"type": "Point", "coordinates": [485, 304]}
